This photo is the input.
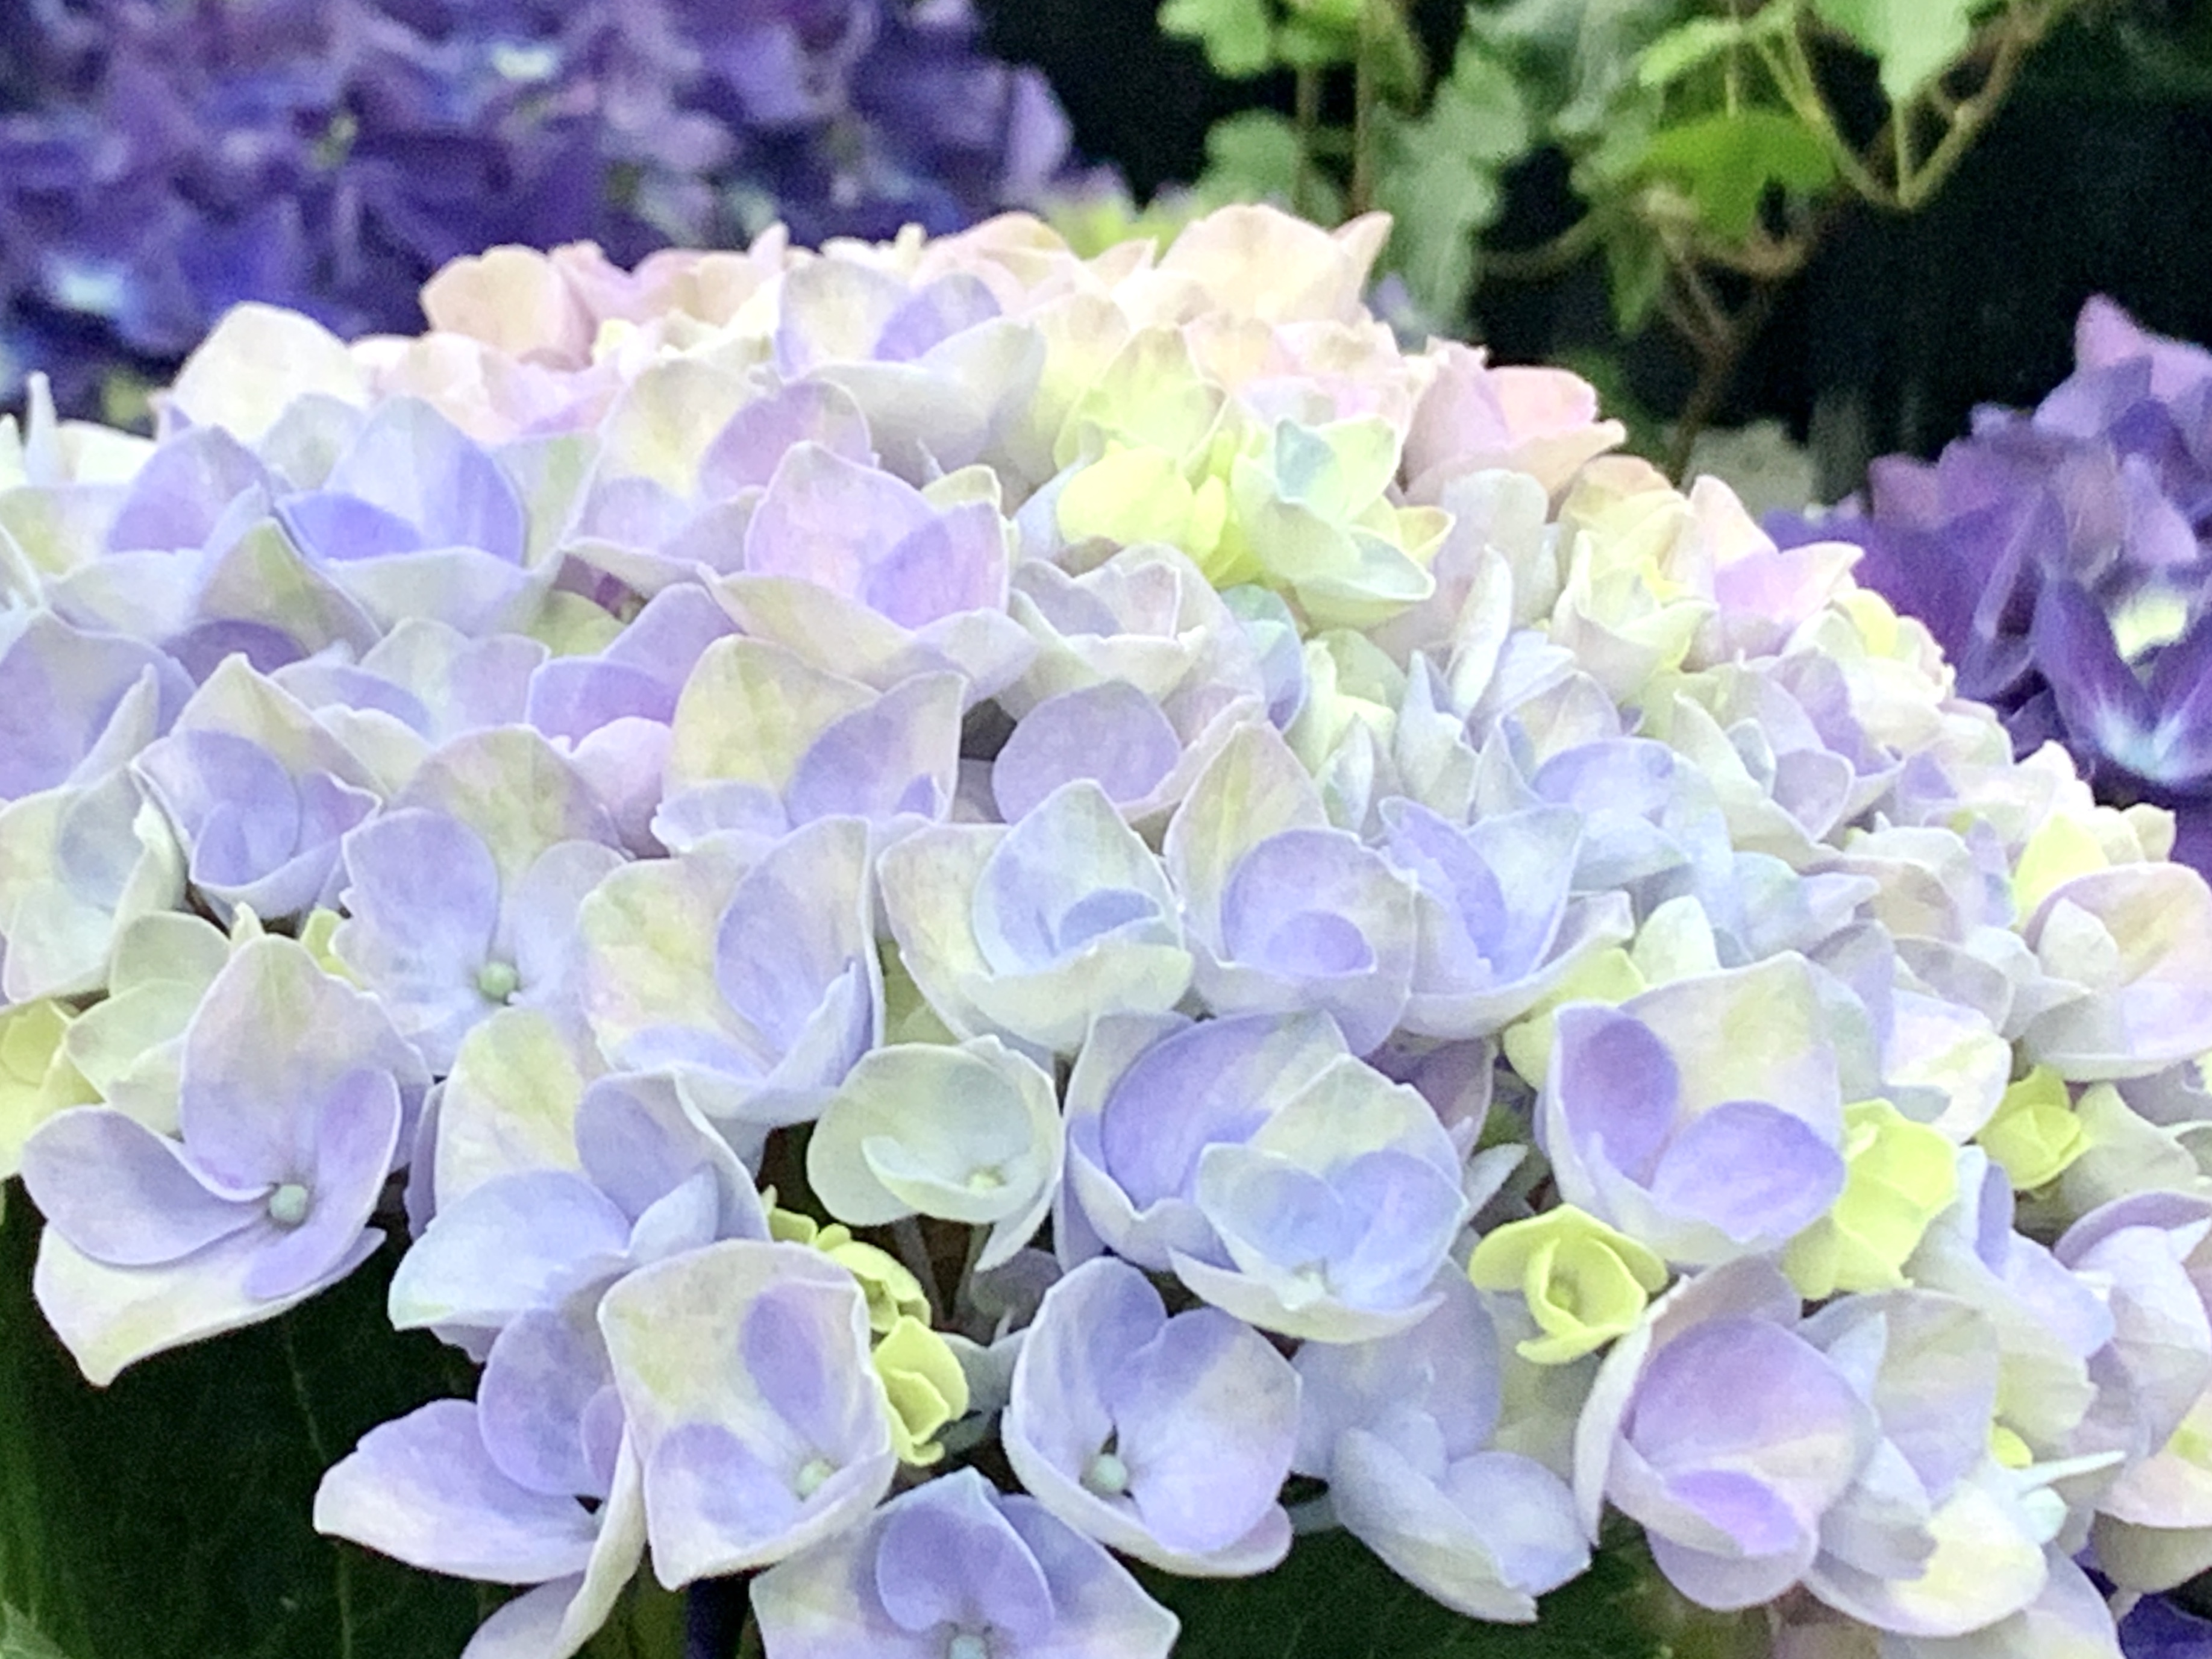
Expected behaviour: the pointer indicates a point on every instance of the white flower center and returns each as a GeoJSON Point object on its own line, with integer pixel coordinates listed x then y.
{"type": "Point", "coordinates": [288, 1205]}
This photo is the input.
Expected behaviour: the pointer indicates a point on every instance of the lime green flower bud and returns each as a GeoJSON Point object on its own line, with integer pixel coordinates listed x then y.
{"type": "Point", "coordinates": [2034, 1134]}
{"type": "Point", "coordinates": [315, 933]}
{"type": "Point", "coordinates": [2062, 848]}
{"type": "Point", "coordinates": [893, 1293]}
{"type": "Point", "coordinates": [926, 1387]}
{"type": "Point", "coordinates": [1900, 1176]}
{"type": "Point", "coordinates": [1585, 1283]}
{"type": "Point", "coordinates": [1141, 494]}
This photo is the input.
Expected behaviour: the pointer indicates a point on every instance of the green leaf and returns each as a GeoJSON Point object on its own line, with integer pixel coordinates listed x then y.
{"type": "Point", "coordinates": [1302, 44]}
{"type": "Point", "coordinates": [22, 1639]}
{"type": "Point", "coordinates": [1440, 176]}
{"type": "Point", "coordinates": [1239, 35]}
{"type": "Point", "coordinates": [1915, 40]}
{"type": "Point", "coordinates": [1252, 156]}
{"type": "Point", "coordinates": [1636, 266]}
{"type": "Point", "coordinates": [1728, 163]}
{"type": "Point", "coordinates": [1332, 1599]}
{"type": "Point", "coordinates": [1690, 45]}
{"type": "Point", "coordinates": [167, 1516]}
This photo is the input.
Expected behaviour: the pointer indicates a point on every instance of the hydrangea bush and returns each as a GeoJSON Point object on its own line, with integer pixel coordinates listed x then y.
{"type": "Point", "coordinates": [163, 160]}
{"type": "Point", "coordinates": [985, 912]}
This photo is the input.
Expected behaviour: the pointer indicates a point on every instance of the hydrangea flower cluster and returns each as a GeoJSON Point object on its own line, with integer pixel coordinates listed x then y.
{"type": "Point", "coordinates": [942, 857]}
{"type": "Point", "coordinates": [2059, 557]}
{"type": "Point", "coordinates": [167, 158]}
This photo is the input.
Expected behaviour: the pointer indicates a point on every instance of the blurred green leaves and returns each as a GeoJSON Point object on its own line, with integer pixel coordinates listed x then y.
{"type": "Point", "coordinates": [1913, 41]}
{"type": "Point", "coordinates": [1239, 35]}
{"type": "Point", "coordinates": [1710, 142]}
{"type": "Point", "coordinates": [1442, 175]}
{"type": "Point", "coordinates": [1729, 163]}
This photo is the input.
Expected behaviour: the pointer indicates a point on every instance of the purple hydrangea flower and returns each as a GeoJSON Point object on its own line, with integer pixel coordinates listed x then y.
{"type": "Point", "coordinates": [2058, 557]}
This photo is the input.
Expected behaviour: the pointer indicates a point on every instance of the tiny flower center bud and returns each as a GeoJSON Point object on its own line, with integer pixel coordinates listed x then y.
{"type": "Point", "coordinates": [985, 1180]}
{"type": "Point", "coordinates": [811, 1473]}
{"type": "Point", "coordinates": [497, 981]}
{"type": "Point", "coordinates": [966, 1644]}
{"type": "Point", "coordinates": [288, 1205]}
{"type": "Point", "coordinates": [1108, 1475]}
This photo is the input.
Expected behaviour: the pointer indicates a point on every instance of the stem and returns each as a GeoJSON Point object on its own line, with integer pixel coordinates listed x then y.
{"type": "Point", "coordinates": [341, 1567]}
{"type": "Point", "coordinates": [1530, 265]}
{"type": "Point", "coordinates": [1309, 123]}
{"type": "Point", "coordinates": [1366, 100]}
{"type": "Point", "coordinates": [2014, 37]}
{"type": "Point", "coordinates": [1801, 89]}
{"type": "Point", "coordinates": [1716, 374]}
{"type": "Point", "coordinates": [913, 1250]}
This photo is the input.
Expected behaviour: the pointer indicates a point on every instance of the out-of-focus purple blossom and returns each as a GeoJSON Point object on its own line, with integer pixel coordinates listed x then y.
{"type": "Point", "coordinates": [327, 155]}
{"type": "Point", "coordinates": [2060, 558]}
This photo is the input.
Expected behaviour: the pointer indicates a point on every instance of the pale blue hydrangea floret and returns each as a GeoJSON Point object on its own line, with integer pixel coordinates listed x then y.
{"type": "Point", "coordinates": [1280, 1177]}
{"type": "Point", "coordinates": [1498, 927]}
{"type": "Point", "coordinates": [257, 794]}
{"type": "Point", "coordinates": [761, 742]}
{"type": "Point", "coordinates": [780, 1441]}
{"type": "Point", "coordinates": [1731, 1484]}
{"type": "Point", "coordinates": [955, 1570]}
{"type": "Point", "coordinates": [1031, 932]}
{"type": "Point", "coordinates": [413, 520]}
{"type": "Point", "coordinates": [1166, 1437]}
{"type": "Point", "coordinates": [755, 985]}
{"type": "Point", "coordinates": [1401, 1428]}
{"type": "Point", "coordinates": [433, 1490]}
{"type": "Point", "coordinates": [462, 896]}
{"type": "Point", "coordinates": [1283, 910]}
{"type": "Point", "coordinates": [655, 1181]}
{"type": "Point", "coordinates": [76, 706]}
{"type": "Point", "coordinates": [1704, 1117]}
{"type": "Point", "coordinates": [263, 1196]}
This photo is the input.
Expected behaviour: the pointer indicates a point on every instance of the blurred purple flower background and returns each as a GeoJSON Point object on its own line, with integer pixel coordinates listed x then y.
{"type": "Point", "coordinates": [163, 160]}
{"type": "Point", "coordinates": [2063, 559]}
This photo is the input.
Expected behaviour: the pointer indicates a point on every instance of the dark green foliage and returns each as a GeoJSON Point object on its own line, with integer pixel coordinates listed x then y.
{"type": "Point", "coordinates": [1334, 1600]}
{"type": "Point", "coordinates": [166, 1517]}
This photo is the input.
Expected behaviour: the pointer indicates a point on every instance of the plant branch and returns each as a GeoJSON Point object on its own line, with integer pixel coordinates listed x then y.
{"type": "Point", "coordinates": [1549, 258]}
{"type": "Point", "coordinates": [1308, 119]}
